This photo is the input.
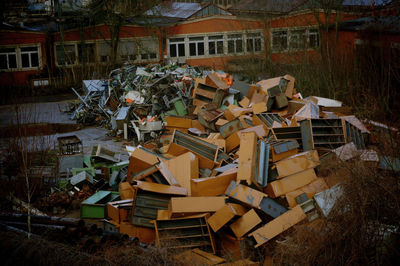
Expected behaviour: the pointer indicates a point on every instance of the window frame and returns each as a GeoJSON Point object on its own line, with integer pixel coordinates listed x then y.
{"type": "Point", "coordinates": [176, 44]}
{"type": "Point", "coordinates": [85, 46]}
{"type": "Point", "coordinates": [29, 53]}
{"type": "Point", "coordinates": [230, 37]}
{"type": "Point", "coordinates": [298, 39]}
{"type": "Point", "coordinates": [140, 46]}
{"type": "Point", "coordinates": [308, 46]}
{"type": "Point", "coordinates": [215, 41]}
{"type": "Point", "coordinates": [130, 57]}
{"type": "Point", "coordinates": [196, 45]}
{"type": "Point", "coordinates": [254, 36]}
{"type": "Point", "coordinates": [7, 54]}
{"type": "Point", "coordinates": [315, 32]}
{"type": "Point", "coordinates": [99, 53]}
{"type": "Point", "coordinates": [75, 62]}
{"type": "Point", "coordinates": [18, 57]}
{"type": "Point", "coordinates": [221, 44]}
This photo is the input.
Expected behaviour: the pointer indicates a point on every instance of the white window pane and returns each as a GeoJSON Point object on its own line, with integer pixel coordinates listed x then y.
{"type": "Point", "coordinates": [127, 48]}
{"type": "Point", "coordinates": [12, 61]}
{"type": "Point", "coordinates": [172, 50]}
{"type": "Point", "coordinates": [25, 60]}
{"type": "Point", "coordinates": [200, 47]}
{"type": "Point", "coordinates": [3, 61]}
{"type": "Point", "coordinates": [181, 49]}
{"type": "Point", "coordinates": [192, 49]}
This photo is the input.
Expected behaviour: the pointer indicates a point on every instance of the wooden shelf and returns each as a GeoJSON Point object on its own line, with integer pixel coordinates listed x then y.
{"type": "Point", "coordinates": [327, 143]}
{"type": "Point", "coordinates": [187, 236]}
{"type": "Point", "coordinates": [191, 245]}
{"type": "Point", "coordinates": [327, 126]}
{"type": "Point", "coordinates": [182, 227]}
{"type": "Point", "coordinates": [327, 135]}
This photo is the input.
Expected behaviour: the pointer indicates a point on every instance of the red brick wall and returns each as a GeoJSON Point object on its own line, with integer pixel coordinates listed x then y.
{"type": "Point", "coordinates": [22, 78]}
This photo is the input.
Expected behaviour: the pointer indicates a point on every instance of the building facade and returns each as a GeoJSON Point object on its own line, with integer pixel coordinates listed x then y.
{"type": "Point", "coordinates": [197, 33]}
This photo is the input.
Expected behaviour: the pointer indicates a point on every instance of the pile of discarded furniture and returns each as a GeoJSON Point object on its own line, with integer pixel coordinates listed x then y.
{"type": "Point", "coordinates": [226, 171]}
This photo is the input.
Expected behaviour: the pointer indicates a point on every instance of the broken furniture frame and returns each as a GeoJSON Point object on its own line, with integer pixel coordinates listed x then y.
{"type": "Point", "coordinates": [187, 232]}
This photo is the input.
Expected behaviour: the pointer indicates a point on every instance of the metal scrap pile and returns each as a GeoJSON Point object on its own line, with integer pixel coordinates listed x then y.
{"type": "Point", "coordinates": [234, 171]}
{"type": "Point", "coordinates": [134, 100]}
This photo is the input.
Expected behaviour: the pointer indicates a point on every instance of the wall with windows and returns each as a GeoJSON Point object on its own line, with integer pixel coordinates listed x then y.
{"type": "Point", "coordinates": [214, 41]}
{"type": "Point", "coordinates": [296, 38]}
{"type": "Point", "coordinates": [137, 44]}
{"type": "Point", "coordinates": [135, 50]}
{"type": "Point", "coordinates": [22, 56]}
{"type": "Point", "coordinates": [223, 3]}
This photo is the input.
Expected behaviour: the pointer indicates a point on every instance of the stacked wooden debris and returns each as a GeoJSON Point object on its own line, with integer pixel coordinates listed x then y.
{"type": "Point", "coordinates": [234, 170]}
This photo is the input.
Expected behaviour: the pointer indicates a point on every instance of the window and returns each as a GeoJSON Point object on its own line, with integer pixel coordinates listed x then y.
{"type": "Point", "coordinates": [29, 57]}
{"type": "Point", "coordinates": [279, 40]}
{"type": "Point", "coordinates": [127, 50]}
{"type": "Point", "coordinates": [196, 46]}
{"type": "Point", "coordinates": [149, 49]}
{"type": "Point", "coordinates": [86, 52]}
{"type": "Point", "coordinates": [253, 42]}
{"type": "Point", "coordinates": [313, 38]}
{"type": "Point", "coordinates": [8, 58]}
{"type": "Point", "coordinates": [19, 58]}
{"type": "Point", "coordinates": [65, 54]}
{"type": "Point", "coordinates": [103, 50]}
{"type": "Point", "coordinates": [177, 47]}
{"type": "Point", "coordinates": [216, 44]}
{"type": "Point", "coordinates": [235, 43]}
{"type": "Point", "coordinates": [296, 39]}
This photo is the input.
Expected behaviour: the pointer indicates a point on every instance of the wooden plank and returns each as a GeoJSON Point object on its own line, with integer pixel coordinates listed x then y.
{"type": "Point", "coordinates": [245, 223]}
{"type": "Point", "coordinates": [213, 80]}
{"type": "Point", "coordinates": [166, 174]}
{"type": "Point", "coordinates": [244, 102]}
{"type": "Point", "coordinates": [180, 207]}
{"type": "Point", "coordinates": [140, 160]}
{"type": "Point", "coordinates": [125, 190]}
{"type": "Point", "coordinates": [287, 184]}
{"type": "Point", "coordinates": [212, 186]}
{"type": "Point", "coordinates": [144, 234]}
{"type": "Point", "coordinates": [310, 190]}
{"type": "Point", "coordinates": [247, 157]}
{"type": "Point", "coordinates": [260, 107]}
{"type": "Point", "coordinates": [297, 163]}
{"type": "Point", "coordinates": [290, 86]}
{"type": "Point", "coordinates": [184, 168]}
{"type": "Point", "coordinates": [252, 89]}
{"type": "Point", "coordinates": [224, 215]}
{"type": "Point", "coordinates": [278, 225]}
{"type": "Point", "coordinates": [161, 189]}
{"type": "Point", "coordinates": [232, 142]}
{"type": "Point", "coordinates": [205, 93]}
{"type": "Point", "coordinates": [178, 121]}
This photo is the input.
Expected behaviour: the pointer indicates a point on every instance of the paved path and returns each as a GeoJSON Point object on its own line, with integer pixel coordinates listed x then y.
{"type": "Point", "coordinates": [49, 112]}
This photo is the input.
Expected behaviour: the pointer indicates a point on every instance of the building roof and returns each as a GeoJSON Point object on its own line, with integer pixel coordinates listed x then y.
{"type": "Point", "coordinates": [388, 24]}
{"type": "Point", "coordinates": [365, 2]}
{"type": "Point", "coordinates": [267, 6]}
{"type": "Point", "coordinates": [174, 10]}
{"type": "Point", "coordinates": [286, 6]}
